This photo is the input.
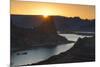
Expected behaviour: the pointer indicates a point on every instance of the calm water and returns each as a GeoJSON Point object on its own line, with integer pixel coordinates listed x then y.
{"type": "Point", "coordinates": [41, 53]}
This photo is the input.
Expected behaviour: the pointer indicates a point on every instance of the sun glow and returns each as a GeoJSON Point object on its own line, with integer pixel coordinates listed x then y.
{"type": "Point", "coordinates": [45, 15]}
{"type": "Point", "coordinates": [45, 9]}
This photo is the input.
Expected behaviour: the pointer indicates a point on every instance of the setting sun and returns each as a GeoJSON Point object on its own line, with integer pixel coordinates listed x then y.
{"type": "Point", "coordinates": [45, 15]}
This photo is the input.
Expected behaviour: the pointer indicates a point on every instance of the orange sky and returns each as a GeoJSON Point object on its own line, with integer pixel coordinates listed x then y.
{"type": "Point", "coordinates": [37, 8]}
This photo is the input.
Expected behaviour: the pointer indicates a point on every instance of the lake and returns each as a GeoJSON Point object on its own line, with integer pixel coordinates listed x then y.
{"type": "Point", "coordinates": [38, 54]}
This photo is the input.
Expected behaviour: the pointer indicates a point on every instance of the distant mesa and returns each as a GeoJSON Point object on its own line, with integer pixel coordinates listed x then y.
{"type": "Point", "coordinates": [61, 23]}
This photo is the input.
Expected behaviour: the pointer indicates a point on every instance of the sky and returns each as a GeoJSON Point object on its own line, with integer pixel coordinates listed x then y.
{"type": "Point", "coordinates": [42, 8]}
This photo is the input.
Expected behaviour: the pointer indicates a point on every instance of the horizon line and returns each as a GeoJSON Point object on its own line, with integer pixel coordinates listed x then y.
{"type": "Point", "coordinates": [55, 15]}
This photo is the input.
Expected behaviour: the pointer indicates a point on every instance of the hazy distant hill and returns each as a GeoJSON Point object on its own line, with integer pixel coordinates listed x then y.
{"type": "Point", "coordinates": [63, 24]}
{"type": "Point", "coordinates": [74, 24]}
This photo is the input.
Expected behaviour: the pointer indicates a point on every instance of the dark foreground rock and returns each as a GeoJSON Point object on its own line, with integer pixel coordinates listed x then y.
{"type": "Point", "coordinates": [82, 51]}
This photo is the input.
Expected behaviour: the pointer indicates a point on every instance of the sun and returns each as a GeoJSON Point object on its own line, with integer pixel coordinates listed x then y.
{"type": "Point", "coordinates": [45, 15]}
